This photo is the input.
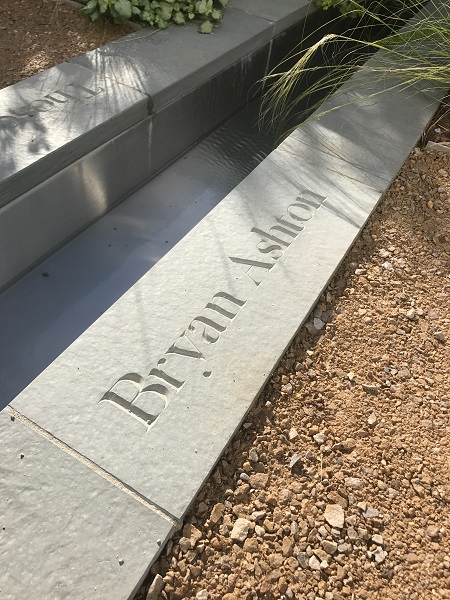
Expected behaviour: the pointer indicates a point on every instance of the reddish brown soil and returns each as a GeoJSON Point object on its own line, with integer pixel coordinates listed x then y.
{"type": "Point", "coordinates": [38, 34]}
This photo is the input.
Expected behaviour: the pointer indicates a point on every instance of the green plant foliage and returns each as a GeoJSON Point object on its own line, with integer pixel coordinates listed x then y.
{"type": "Point", "coordinates": [158, 13]}
{"type": "Point", "coordinates": [417, 56]}
{"type": "Point", "coordinates": [346, 7]}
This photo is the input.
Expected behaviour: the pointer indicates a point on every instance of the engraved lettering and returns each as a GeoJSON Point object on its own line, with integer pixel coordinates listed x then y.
{"type": "Point", "coordinates": [32, 108]}
{"type": "Point", "coordinates": [220, 309]}
{"type": "Point", "coordinates": [269, 249]}
{"type": "Point", "coordinates": [87, 90]}
{"type": "Point", "coordinates": [311, 198]}
{"type": "Point", "coordinates": [174, 349]}
{"type": "Point", "coordinates": [164, 376]}
{"type": "Point", "coordinates": [210, 337]}
{"type": "Point", "coordinates": [278, 240]}
{"type": "Point", "coordinates": [127, 391]}
{"type": "Point", "coordinates": [251, 265]}
{"type": "Point", "coordinates": [47, 103]}
{"type": "Point", "coordinates": [297, 214]}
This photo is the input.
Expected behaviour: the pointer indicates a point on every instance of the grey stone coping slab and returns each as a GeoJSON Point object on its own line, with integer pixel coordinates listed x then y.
{"type": "Point", "coordinates": [154, 390]}
{"type": "Point", "coordinates": [65, 531]}
{"type": "Point", "coordinates": [167, 64]}
{"type": "Point", "coordinates": [55, 117]}
{"type": "Point", "coordinates": [283, 13]}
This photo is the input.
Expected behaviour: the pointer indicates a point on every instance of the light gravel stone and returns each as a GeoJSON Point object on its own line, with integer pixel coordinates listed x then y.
{"type": "Point", "coordinates": [335, 516]}
{"type": "Point", "coordinates": [240, 530]}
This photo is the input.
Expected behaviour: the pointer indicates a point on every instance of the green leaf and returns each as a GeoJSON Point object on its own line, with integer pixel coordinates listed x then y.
{"type": "Point", "coordinates": [201, 7]}
{"type": "Point", "coordinates": [206, 27]}
{"type": "Point", "coordinates": [103, 5]}
{"type": "Point", "coordinates": [123, 8]}
{"type": "Point", "coordinates": [165, 10]}
{"type": "Point", "coordinates": [95, 15]}
{"type": "Point", "coordinates": [161, 24]}
{"type": "Point", "coordinates": [90, 7]}
{"type": "Point", "coordinates": [178, 18]}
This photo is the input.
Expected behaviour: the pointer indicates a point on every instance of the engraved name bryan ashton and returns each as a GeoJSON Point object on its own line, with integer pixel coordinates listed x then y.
{"type": "Point", "coordinates": [146, 397]}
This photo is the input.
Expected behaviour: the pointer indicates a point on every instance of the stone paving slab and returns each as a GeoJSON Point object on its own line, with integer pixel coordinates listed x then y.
{"type": "Point", "coordinates": [55, 117]}
{"type": "Point", "coordinates": [66, 532]}
{"type": "Point", "coordinates": [155, 389]}
{"type": "Point", "coordinates": [282, 13]}
{"type": "Point", "coordinates": [167, 64]}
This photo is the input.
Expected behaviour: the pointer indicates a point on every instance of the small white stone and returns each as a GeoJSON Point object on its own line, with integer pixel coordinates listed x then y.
{"type": "Point", "coordinates": [314, 563]}
{"type": "Point", "coordinates": [318, 323]}
{"type": "Point", "coordinates": [372, 419]}
{"type": "Point", "coordinates": [378, 539]}
{"type": "Point", "coordinates": [156, 588]}
{"type": "Point", "coordinates": [240, 530]}
{"type": "Point", "coordinates": [293, 434]}
{"type": "Point", "coordinates": [319, 438]}
{"type": "Point", "coordinates": [335, 516]}
{"type": "Point", "coordinates": [354, 483]}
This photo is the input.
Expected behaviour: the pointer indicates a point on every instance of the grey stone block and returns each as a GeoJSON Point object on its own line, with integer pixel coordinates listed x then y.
{"type": "Point", "coordinates": [52, 212]}
{"type": "Point", "coordinates": [283, 13]}
{"type": "Point", "coordinates": [168, 64]}
{"type": "Point", "coordinates": [55, 117]}
{"type": "Point", "coordinates": [65, 531]}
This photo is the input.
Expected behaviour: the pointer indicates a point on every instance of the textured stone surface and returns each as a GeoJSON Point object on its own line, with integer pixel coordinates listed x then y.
{"type": "Point", "coordinates": [145, 61]}
{"type": "Point", "coordinates": [51, 119]}
{"type": "Point", "coordinates": [65, 532]}
{"type": "Point", "coordinates": [283, 13]}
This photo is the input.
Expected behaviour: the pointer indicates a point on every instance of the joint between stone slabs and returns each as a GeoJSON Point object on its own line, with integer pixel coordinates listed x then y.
{"type": "Point", "coordinates": [14, 414]}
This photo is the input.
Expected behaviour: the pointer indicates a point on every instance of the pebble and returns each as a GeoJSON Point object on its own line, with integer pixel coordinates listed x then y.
{"type": "Point", "coordinates": [294, 460]}
{"type": "Point", "coordinates": [314, 563]}
{"type": "Point", "coordinates": [354, 483]}
{"type": "Point", "coordinates": [217, 513]}
{"type": "Point", "coordinates": [253, 455]}
{"type": "Point", "coordinates": [318, 323]}
{"type": "Point", "coordinates": [378, 539]}
{"type": "Point", "coordinates": [329, 547]}
{"type": "Point", "coordinates": [319, 438]}
{"type": "Point", "coordinates": [240, 530]}
{"type": "Point", "coordinates": [379, 555]}
{"type": "Point", "coordinates": [370, 389]}
{"type": "Point", "coordinates": [433, 532]}
{"type": "Point", "coordinates": [185, 544]}
{"type": "Point", "coordinates": [192, 533]}
{"type": "Point", "coordinates": [334, 515]}
{"type": "Point", "coordinates": [293, 434]}
{"type": "Point", "coordinates": [370, 513]}
{"type": "Point", "coordinates": [439, 335]}
{"type": "Point", "coordinates": [156, 588]}
{"type": "Point", "coordinates": [259, 481]}
{"type": "Point", "coordinates": [372, 420]}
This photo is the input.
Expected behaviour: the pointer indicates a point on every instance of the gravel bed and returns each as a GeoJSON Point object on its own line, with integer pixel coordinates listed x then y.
{"type": "Point", "coordinates": [337, 486]}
